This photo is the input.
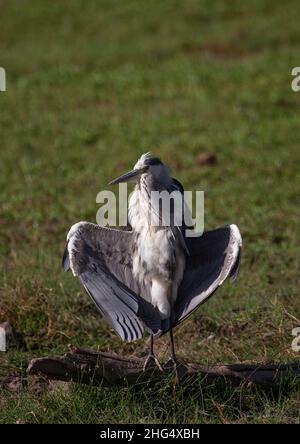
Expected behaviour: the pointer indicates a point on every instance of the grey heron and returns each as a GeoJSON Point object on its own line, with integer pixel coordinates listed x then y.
{"type": "Point", "coordinates": [151, 277]}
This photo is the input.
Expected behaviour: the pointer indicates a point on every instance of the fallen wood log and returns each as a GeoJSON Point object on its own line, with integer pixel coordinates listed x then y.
{"type": "Point", "coordinates": [97, 368]}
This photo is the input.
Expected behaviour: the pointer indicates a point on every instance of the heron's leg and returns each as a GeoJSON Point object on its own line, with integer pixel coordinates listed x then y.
{"type": "Point", "coordinates": [151, 358]}
{"type": "Point", "coordinates": [174, 360]}
{"type": "Point", "coordinates": [172, 346]}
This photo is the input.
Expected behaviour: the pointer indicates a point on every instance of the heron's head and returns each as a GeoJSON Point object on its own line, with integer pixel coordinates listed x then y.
{"type": "Point", "coordinates": [147, 164]}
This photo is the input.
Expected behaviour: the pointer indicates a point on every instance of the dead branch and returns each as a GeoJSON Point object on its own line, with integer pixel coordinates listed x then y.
{"type": "Point", "coordinates": [91, 367]}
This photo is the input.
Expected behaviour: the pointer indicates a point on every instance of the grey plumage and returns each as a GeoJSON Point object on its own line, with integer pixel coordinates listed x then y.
{"type": "Point", "coordinates": [102, 260]}
{"type": "Point", "coordinates": [214, 257]}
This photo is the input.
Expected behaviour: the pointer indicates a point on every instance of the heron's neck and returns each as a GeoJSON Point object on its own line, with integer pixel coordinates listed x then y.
{"type": "Point", "coordinates": [143, 208]}
{"type": "Point", "coordinates": [139, 208]}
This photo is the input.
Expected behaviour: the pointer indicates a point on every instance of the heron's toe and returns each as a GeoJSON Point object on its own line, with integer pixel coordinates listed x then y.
{"type": "Point", "coordinates": [177, 366]}
{"type": "Point", "coordinates": [150, 362]}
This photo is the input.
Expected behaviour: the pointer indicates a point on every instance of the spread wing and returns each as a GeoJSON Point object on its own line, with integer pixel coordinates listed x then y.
{"type": "Point", "coordinates": [213, 257]}
{"type": "Point", "coordinates": [101, 258]}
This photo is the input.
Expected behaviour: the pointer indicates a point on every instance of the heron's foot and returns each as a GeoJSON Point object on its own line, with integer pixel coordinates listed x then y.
{"type": "Point", "coordinates": [178, 367]}
{"type": "Point", "coordinates": [152, 361]}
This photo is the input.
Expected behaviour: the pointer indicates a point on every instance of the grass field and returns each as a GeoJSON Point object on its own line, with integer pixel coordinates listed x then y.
{"type": "Point", "coordinates": [91, 86]}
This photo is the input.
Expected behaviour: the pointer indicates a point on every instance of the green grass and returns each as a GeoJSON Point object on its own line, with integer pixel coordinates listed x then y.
{"type": "Point", "coordinates": [92, 85]}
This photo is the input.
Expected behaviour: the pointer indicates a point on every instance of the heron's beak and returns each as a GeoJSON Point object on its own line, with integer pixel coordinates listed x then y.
{"type": "Point", "coordinates": [129, 176]}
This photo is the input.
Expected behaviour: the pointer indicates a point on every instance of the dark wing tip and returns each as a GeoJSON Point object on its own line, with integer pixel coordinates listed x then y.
{"type": "Point", "coordinates": [238, 242]}
{"type": "Point", "coordinates": [65, 263]}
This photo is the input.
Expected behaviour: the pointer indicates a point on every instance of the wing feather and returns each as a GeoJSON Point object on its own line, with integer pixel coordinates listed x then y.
{"type": "Point", "coordinates": [214, 257]}
{"type": "Point", "coordinates": [102, 260]}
